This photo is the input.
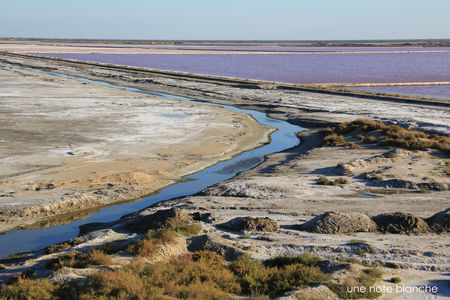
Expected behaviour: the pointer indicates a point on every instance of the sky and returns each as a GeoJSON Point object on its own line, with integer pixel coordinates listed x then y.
{"type": "Point", "coordinates": [226, 19]}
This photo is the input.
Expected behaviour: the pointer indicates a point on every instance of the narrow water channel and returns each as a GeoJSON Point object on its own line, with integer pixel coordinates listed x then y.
{"type": "Point", "coordinates": [284, 138]}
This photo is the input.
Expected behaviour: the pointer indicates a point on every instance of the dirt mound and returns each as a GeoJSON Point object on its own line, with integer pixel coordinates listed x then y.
{"type": "Point", "coordinates": [157, 220]}
{"type": "Point", "coordinates": [251, 224]}
{"type": "Point", "coordinates": [440, 222]}
{"type": "Point", "coordinates": [332, 222]}
{"type": "Point", "coordinates": [402, 223]}
{"type": "Point", "coordinates": [130, 178]}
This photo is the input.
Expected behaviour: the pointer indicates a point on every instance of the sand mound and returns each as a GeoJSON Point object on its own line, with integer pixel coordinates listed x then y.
{"type": "Point", "coordinates": [130, 178]}
{"type": "Point", "coordinates": [170, 250]}
{"type": "Point", "coordinates": [331, 222]}
{"type": "Point", "coordinates": [251, 224]}
{"type": "Point", "coordinates": [402, 223]}
{"type": "Point", "coordinates": [440, 222]}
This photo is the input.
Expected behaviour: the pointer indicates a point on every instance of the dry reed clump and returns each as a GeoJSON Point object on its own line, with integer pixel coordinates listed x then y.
{"type": "Point", "coordinates": [334, 140]}
{"type": "Point", "coordinates": [352, 145]}
{"type": "Point", "coordinates": [76, 259]}
{"type": "Point", "coordinates": [393, 135]}
{"type": "Point", "coordinates": [370, 140]}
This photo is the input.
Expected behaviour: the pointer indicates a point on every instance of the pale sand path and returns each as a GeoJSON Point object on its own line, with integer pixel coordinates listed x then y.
{"type": "Point", "coordinates": [67, 146]}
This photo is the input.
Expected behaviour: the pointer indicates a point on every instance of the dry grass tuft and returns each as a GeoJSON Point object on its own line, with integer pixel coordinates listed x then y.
{"type": "Point", "coordinates": [334, 140]}
{"type": "Point", "coordinates": [394, 136]}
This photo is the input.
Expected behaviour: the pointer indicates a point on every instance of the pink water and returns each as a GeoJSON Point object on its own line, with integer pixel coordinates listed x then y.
{"type": "Point", "coordinates": [299, 68]}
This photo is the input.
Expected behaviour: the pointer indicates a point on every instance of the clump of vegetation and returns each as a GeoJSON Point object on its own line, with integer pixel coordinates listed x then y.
{"type": "Point", "coordinates": [447, 167]}
{"type": "Point", "coordinates": [76, 259]}
{"type": "Point", "coordinates": [325, 181]}
{"type": "Point", "coordinates": [367, 279]}
{"type": "Point", "coordinates": [2, 266]}
{"type": "Point", "coordinates": [275, 277]}
{"type": "Point", "coordinates": [394, 135]}
{"type": "Point", "coordinates": [63, 246]}
{"type": "Point", "coordinates": [30, 289]}
{"type": "Point", "coordinates": [57, 247]}
{"type": "Point", "coordinates": [396, 280]}
{"type": "Point", "coordinates": [149, 246]}
{"type": "Point", "coordinates": [356, 242]}
{"type": "Point", "coordinates": [423, 191]}
{"type": "Point", "coordinates": [306, 258]}
{"type": "Point", "coordinates": [340, 180]}
{"type": "Point", "coordinates": [370, 140]}
{"type": "Point", "coordinates": [352, 145]}
{"type": "Point", "coordinates": [202, 275]}
{"type": "Point", "coordinates": [334, 140]}
{"type": "Point", "coordinates": [376, 177]}
{"type": "Point", "coordinates": [245, 236]}
{"type": "Point", "coordinates": [350, 260]}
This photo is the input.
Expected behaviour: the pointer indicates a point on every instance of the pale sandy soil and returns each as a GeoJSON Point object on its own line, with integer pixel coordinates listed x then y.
{"type": "Point", "coordinates": [69, 146]}
{"type": "Point", "coordinates": [284, 187]}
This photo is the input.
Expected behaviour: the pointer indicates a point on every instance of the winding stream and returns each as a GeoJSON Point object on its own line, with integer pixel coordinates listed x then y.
{"type": "Point", "coordinates": [282, 139]}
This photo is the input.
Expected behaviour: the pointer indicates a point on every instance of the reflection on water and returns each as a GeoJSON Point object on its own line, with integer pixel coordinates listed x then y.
{"type": "Point", "coordinates": [283, 138]}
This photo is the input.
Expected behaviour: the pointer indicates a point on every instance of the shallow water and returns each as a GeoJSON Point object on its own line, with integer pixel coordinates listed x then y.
{"type": "Point", "coordinates": [284, 138]}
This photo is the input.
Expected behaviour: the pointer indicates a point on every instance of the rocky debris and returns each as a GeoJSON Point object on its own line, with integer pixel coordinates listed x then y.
{"type": "Point", "coordinates": [204, 217]}
{"type": "Point", "coordinates": [159, 219]}
{"type": "Point", "coordinates": [251, 224]}
{"type": "Point", "coordinates": [333, 222]}
{"type": "Point", "coordinates": [362, 163]}
{"type": "Point", "coordinates": [377, 180]}
{"type": "Point", "coordinates": [362, 246]}
{"type": "Point", "coordinates": [71, 275]}
{"type": "Point", "coordinates": [243, 190]}
{"type": "Point", "coordinates": [330, 266]}
{"type": "Point", "coordinates": [402, 223]}
{"type": "Point", "coordinates": [440, 222]}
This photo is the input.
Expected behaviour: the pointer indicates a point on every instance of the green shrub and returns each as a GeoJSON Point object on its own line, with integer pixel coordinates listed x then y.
{"type": "Point", "coordinates": [396, 280]}
{"type": "Point", "coordinates": [324, 181]}
{"type": "Point", "coordinates": [245, 236]}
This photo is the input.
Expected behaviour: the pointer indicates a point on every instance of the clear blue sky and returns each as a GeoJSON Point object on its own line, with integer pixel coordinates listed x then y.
{"type": "Point", "coordinates": [227, 19]}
